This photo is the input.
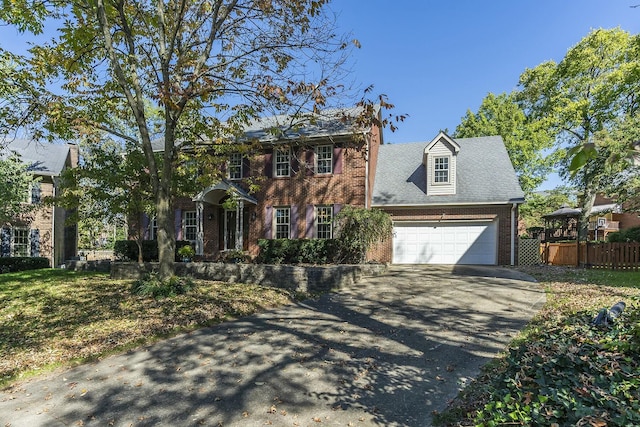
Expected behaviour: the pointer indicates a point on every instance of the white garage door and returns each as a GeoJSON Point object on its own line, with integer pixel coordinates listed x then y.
{"type": "Point", "coordinates": [442, 243]}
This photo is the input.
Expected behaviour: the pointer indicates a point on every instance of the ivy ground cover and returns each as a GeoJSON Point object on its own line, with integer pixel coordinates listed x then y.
{"type": "Point", "coordinates": [564, 370]}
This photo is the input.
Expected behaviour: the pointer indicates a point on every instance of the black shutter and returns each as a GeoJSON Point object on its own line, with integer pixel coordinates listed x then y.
{"type": "Point", "coordinates": [5, 242]}
{"type": "Point", "coordinates": [36, 192]}
{"type": "Point", "coordinates": [35, 242]}
{"type": "Point", "coordinates": [246, 167]}
{"type": "Point", "coordinates": [268, 163]}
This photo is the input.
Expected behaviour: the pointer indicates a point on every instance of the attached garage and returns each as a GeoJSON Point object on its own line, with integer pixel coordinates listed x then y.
{"type": "Point", "coordinates": [445, 243]}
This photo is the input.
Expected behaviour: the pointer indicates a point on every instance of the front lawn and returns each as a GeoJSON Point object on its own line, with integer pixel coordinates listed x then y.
{"type": "Point", "coordinates": [50, 318]}
{"type": "Point", "coordinates": [563, 370]}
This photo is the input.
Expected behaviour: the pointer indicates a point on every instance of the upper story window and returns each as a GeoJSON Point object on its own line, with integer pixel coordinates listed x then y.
{"type": "Point", "coordinates": [324, 159]}
{"type": "Point", "coordinates": [441, 170]}
{"type": "Point", "coordinates": [324, 222]}
{"type": "Point", "coordinates": [282, 163]}
{"type": "Point", "coordinates": [235, 166]}
{"type": "Point", "coordinates": [190, 226]}
{"type": "Point", "coordinates": [282, 218]}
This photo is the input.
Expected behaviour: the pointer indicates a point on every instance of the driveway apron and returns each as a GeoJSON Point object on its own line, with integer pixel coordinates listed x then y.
{"type": "Point", "coordinates": [387, 352]}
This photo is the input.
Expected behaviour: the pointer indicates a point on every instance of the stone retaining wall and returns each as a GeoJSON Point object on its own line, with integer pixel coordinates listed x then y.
{"type": "Point", "coordinates": [83, 265]}
{"type": "Point", "coordinates": [294, 277]}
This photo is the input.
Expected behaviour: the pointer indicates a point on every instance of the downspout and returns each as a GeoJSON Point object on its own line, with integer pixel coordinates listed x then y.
{"type": "Point", "coordinates": [54, 246]}
{"type": "Point", "coordinates": [513, 233]}
{"type": "Point", "coordinates": [366, 171]}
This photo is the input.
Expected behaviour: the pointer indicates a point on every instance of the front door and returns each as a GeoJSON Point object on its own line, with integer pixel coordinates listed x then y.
{"type": "Point", "coordinates": [230, 229]}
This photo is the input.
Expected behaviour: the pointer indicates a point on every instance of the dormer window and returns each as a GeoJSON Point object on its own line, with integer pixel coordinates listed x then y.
{"type": "Point", "coordinates": [441, 170]}
{"type": "Point", "coordinates": [440, 162]}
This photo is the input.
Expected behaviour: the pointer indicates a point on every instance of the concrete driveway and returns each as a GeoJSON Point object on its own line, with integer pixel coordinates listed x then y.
{"type": "Point", "coordinates": [387, 352]}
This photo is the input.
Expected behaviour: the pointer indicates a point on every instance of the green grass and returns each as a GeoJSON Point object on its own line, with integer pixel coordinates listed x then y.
{"type": "Point", "coordinates": [53, 318]}
{"type": "Point", "coordinates": [562, 370]}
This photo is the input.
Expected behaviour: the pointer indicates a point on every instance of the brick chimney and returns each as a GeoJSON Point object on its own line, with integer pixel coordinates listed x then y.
{"type": "Point", "coordinates": [74, 154]}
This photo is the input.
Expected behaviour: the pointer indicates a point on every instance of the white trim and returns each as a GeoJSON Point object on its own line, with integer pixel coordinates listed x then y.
{"type": "Point", "coordinates": [452, 204]}
{"type": "Point", "coordinates": [194, 225]}
{"type": "Point", "coordinates": [315, 221]}
{"type": "Point", "coordinates": [315, 159]}
{"type": "Point", "coordinates": [282, 150]}
{"type": "Point", "coordinates": [274, 222]}
{"type": "Point", "coordinates": [435, 169]}
{"type": "Point", "coordinates": [235, 166]}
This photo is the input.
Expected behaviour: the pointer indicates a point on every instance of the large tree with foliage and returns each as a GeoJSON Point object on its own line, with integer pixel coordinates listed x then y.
{"type": "Point", "coordinates": [185, 72]}
{"type": "Point", "coordinates": [614, 161]}
{"type": "Point", "coordinates": [595, 85]}
{"type": "Point", "coordinates": [111, 184]}
{"type": "Point", "coordinates": [524, 138]}
{"type": "Point", "coordinates": [15, 187]}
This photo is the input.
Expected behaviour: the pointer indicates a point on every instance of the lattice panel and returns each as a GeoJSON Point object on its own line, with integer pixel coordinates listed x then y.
{"type": "Point", "coordinates": [529, 252]}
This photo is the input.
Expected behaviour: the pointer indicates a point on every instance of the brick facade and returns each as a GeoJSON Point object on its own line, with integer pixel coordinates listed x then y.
{"type": "Point", "coordinates": [348, 184]}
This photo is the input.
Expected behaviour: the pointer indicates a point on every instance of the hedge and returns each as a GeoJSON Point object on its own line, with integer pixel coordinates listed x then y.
{"type": "Point", "coordinates": [12, 264]}
{"type": "Point", "coordinates": [127, 250]}
{"type": "Point", "coordinates": [299, 251]}
{"type": "Point", "coordinates": [623, 236]}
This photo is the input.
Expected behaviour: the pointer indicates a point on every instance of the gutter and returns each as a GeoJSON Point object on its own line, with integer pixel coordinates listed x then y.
{"type": "Point", "coordinates": [451, 204]}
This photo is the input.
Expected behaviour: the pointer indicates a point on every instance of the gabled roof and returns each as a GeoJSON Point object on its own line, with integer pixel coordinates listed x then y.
{"type": "Point", "coordinates": [443, 136]}
{"type": "Point", "coordinates": [324, 124]}
{"type": "Point", "coordinates": [484, 175]}
{"type": "Point", "coordinates": [42, 159]}
{"type": "Point", "coordinates": [215, 193]}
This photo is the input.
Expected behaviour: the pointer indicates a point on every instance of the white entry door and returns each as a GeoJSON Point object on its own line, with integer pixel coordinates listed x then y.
{"type": "Point", "coordinates": [445, 243]}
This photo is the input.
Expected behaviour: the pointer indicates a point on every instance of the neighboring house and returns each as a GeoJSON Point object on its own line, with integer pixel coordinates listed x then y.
{"type": "Point", "coordinates": [453, 201]}
{"type": "Point", "coordinates": [42, 232]}
{"type": "Point", "coordinates": [607, 217]}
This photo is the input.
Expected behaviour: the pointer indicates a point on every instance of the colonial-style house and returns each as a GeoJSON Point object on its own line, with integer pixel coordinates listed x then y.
{"type": "Point", "coordinates": [304, 176]}
{"type": "Point", "coordinates": [44, 231]}
{"type": "Point", "coordinates": [453, 201]}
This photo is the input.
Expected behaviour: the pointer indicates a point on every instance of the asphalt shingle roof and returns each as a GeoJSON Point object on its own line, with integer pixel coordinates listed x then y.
{"type": "Point", "coordinates": [41, 158]}
{"type": "Point", "coordinates": [273, 129]}
{"type": "Point", "coordinates": [485, 175]}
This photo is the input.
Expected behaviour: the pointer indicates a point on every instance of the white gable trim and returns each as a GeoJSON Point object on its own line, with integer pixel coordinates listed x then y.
{"type": "Point", "coordinates": [447, 139]}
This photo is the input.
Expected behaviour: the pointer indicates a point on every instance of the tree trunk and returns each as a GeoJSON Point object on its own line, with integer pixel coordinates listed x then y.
{"type": "Point", "coordinates": [166, 233]}
{"type": "Point", "coordinates": [139, 244]}
{"type": "Point", "coordinates": [586, 206]}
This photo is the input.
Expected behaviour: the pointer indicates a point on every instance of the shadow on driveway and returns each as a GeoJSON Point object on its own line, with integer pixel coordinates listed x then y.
{"type": "Point", "coordinates": [387, 352]}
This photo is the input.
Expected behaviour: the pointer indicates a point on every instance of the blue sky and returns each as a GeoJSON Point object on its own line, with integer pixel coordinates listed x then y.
{"type": "Point", "coordinates": [437, 59]}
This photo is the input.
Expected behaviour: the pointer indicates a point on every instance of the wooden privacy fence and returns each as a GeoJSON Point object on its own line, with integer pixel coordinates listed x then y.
{"type": "Point", "coordinates": [613, 256]}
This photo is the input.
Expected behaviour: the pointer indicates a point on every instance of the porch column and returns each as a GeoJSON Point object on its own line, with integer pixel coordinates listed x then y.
{"type": "Point", "coordinates": [200, 234]}
{"type": "Point", "coordinates": [239, 224]}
